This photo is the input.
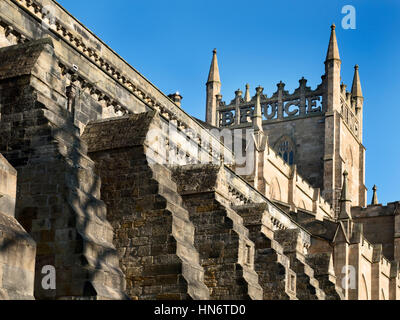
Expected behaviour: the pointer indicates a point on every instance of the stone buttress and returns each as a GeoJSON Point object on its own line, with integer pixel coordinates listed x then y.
{"type": "Point", "coordinates": [273, 267]}
{"type": "Point", "coordinates": [226, 251]}
{"type": "Point", "coordinates": [154, 236]}
{"type": "Point", "coordinates": [322, 264]}
{"type": "Point", "coordinates": [17, 248]}
{"type": "Point", "coordinates": [58, 199]}
{"type": "Point", "coordinates": [307, 286]}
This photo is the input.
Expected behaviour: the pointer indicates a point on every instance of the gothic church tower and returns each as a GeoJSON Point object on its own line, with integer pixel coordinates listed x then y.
{"type": "Point", "coordinates": [318, 131]}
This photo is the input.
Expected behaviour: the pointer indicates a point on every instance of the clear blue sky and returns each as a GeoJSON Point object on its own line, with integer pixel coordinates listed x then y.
{"type": "Point", "coordinates": [263, 42]}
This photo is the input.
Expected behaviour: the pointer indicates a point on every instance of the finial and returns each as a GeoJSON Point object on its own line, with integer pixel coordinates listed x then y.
{"type": "Point", "coordinates": [259, 90]}
{"type": "Point", "coordinates": [356, 67]}
{"type": "Point", "coordinates": [215, 51]}
{"type": "Point", "coordinates": [281, 85]}
{"type": "Point", "coordinates": [303, 81]}
{"type": "Point", "coordinates": [333, 27]}
{"type": "Point", "coordinates": [177, 98]}
{"type": "Point", "coordinates": [238, 93]}
{"type": "Point", "coordinates": [345, 174]}
{"type": "Point", "coordinates": [375, 196]}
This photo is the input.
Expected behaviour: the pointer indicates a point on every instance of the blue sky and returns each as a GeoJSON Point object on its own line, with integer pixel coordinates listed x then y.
{"type": "Point", "coordinates": [260, 43]}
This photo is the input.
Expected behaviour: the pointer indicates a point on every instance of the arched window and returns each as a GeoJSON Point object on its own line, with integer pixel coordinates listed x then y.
{"type": "Point", "coordinates": [285, 148]}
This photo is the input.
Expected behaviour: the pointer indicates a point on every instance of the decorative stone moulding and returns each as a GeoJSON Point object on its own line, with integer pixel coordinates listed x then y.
{"type": "Point", "coordinates": [280, 106]}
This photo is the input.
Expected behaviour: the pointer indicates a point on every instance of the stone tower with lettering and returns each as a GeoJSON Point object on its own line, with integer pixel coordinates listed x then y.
{"type": "Point", "coordinates": [319, 132]}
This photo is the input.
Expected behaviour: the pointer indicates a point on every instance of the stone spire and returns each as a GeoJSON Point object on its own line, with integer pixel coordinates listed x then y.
{"type": "Point", "coordinates": [333, 49]}
{"type": "Point", "coordinates": [375, 196]}
{"type": "Point", "coordinates": [214, 70]}
{"type": "Point", "coordinates": [247, 96]}
{"type": "Point", "coordinates": [356, 89]}
{"type": "Point", "coordinates": [345, 199]}
{"type": "Point", "coordinates": [213, 90]}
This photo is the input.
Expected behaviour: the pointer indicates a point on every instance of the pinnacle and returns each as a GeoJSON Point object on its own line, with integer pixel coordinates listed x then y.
{"type": "Point", "coordinates": [356, 90]}
{"type": "Point", "coordinates": [214, 70]}
{"type": "Point", "coordinates": [375, 196]}
{"type": "Point", "coordinates": [333, 50]}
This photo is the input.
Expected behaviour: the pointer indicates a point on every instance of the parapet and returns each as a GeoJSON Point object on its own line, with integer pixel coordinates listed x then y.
{"type": "Point", "coordinates": [391, 209]}
{"type": "Point", "coordinates": [282, 105]}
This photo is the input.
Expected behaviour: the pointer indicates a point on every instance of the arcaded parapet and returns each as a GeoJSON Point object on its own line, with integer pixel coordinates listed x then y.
{"type": "Point", "coordinates": [226, 251]}
{"type": "Point", "coordinates": [17, 248]}
{"type": "Point", "coordinates": [154, 235]}
{"type": "Point", "coordinates": [58, 193]}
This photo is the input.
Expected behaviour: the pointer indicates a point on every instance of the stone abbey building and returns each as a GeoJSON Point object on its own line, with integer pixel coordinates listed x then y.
{"type": "Point", "coordinates": [112, 185]}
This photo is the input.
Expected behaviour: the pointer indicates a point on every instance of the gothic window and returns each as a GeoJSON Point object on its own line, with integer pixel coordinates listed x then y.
{"type": "Point", "coordinates": [285, 148]}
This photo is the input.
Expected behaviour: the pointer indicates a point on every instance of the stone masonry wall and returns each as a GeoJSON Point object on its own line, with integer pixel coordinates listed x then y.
{"type": "Point", "coordinates": [272, 266]}
{"type": "Point", "coordinates": [379, 226]}
{"type": "Point", "coordinates": [226, 252]}
{"type": "Point", "coordinates": [154, 235]}
{"type": "Point", "coordinates": [307, 135]}
{"type": "Point", "coordinates": [58, 192]}
{"type": "Point", "coordinates": [308, 287]}
{"type": "Point", "coordinates": [17, 248]}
